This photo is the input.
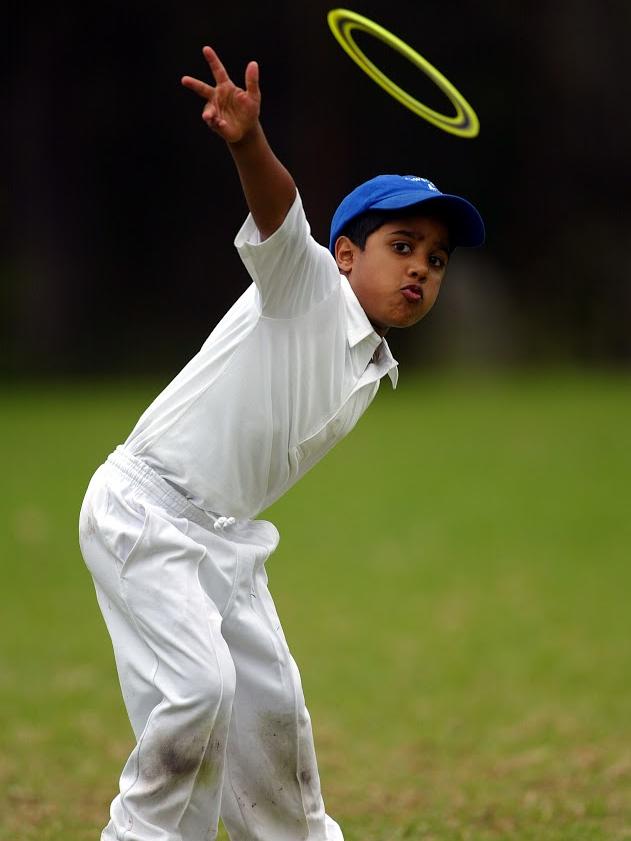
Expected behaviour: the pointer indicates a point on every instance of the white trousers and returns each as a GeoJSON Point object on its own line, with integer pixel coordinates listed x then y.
{"type": "Point", "coordinates": [213, 694]}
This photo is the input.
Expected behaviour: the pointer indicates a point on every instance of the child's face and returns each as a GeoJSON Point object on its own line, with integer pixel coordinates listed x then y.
{"type": "Point", "coordinates": [397, 277]}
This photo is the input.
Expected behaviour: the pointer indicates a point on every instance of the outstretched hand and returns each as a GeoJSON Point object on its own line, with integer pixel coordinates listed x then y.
{"type": "Point", "coordinates": [230, 111]}
{"type": "Point", "coordinates": [233, 113]}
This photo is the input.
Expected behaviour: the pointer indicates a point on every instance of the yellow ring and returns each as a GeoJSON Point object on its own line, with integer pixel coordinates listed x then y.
{"type": "Point", "coordinates": [465, 123]}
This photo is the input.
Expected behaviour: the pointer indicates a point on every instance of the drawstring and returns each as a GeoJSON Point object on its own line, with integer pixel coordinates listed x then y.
{"type": "Point", "coordinates": [223, 522]}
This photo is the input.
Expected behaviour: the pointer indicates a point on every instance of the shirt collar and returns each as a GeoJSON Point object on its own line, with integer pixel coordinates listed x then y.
{"type": "Point", "coordinates": [359, 329]}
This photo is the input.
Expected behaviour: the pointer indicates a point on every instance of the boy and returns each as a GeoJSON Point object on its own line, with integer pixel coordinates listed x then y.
{"type": "Point", "coordinates": [167, 529]}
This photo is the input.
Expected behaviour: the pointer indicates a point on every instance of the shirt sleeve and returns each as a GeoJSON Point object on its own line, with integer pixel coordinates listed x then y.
{"type": "Point", "coordinates": [292, 272]}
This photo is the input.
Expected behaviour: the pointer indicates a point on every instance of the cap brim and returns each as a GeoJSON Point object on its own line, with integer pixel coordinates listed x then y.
{"type": "Point", "coordinates": [463, 220]}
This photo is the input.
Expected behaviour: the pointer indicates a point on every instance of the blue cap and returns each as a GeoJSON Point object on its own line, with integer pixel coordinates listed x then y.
{"type": "Point", "coordinates": [396, 192]}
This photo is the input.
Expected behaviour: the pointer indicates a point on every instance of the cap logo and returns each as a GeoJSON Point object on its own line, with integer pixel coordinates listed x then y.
{"type": "Point", "coordinates": [428, 184]}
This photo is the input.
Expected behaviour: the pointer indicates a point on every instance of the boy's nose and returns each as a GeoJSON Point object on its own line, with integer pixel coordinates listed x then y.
{"type": "Point", "coordinates": [418, 270]}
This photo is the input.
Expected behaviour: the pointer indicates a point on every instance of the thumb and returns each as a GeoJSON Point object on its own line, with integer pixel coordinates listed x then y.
{"type": "Point", "coordinates": [252, 79]}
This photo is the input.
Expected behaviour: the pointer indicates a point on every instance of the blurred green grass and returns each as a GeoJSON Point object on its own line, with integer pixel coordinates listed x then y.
{"type": "Point", "coordinates": [454, 581]}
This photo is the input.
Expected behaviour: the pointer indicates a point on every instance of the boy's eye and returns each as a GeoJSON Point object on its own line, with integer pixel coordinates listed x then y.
{"type": "Point", "coordinates": [438, 262]}
{"type": "Point", "coordinates": [402, 247]}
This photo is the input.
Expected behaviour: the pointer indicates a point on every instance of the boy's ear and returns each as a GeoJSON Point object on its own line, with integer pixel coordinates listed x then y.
{"type": "Point", "coordinates": [344, 254]}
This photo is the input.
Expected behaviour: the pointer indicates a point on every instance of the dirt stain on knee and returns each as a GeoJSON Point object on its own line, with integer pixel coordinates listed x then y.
{"type": "Point", "coordinates": [278, 791]}
{"type": "Point", "coordinates": [172, 760]}
{"type": "Point", "coordinates": [178, 762]}
{"type": "Point", "coordinates": [277, 732]}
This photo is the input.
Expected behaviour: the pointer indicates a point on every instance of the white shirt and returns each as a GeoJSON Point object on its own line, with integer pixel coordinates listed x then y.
{"type": "Point", "coordinates": [283, 377]}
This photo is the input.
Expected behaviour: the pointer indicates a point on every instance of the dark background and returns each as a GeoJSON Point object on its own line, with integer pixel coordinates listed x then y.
{"type": "Point", "coordinates": [122, 206]}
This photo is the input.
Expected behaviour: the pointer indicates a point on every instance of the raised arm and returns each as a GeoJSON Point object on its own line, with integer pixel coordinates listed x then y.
{"type": "Point", "coordinates": [233, 114]}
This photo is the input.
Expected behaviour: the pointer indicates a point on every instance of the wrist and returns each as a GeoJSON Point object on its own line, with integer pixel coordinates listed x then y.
{"type": "Point", "coordinates": [252, 136]}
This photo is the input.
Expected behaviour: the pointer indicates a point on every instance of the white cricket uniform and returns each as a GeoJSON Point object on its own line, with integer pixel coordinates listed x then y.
{"type": "Point", "coordinates": [213, 694]}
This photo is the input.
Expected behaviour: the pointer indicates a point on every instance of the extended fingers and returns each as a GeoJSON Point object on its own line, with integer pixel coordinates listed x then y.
{"type": "Point", "coordinates": [198, 87]}
{"type": "Point", "coordinates": [216, 67]}
{"type": "Point", "coordinates": [252, 79]}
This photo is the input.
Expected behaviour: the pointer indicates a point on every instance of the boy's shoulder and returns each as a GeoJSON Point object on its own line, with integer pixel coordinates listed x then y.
{"type": "Point", "coordinates": [290, 269]}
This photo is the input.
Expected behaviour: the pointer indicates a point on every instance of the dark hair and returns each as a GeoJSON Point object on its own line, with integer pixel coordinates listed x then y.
{"type": "Point", "coordinates": [361, 227]}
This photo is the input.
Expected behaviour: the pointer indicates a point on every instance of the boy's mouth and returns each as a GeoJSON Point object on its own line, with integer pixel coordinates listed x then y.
{"type": "Point", "coordinates": [412, 293]}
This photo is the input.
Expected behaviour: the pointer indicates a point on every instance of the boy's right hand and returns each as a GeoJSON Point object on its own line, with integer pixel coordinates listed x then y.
{"type": "Point", "coordinates": [230, 111]}
{"type": "Point", "coordinates": [233, 113]}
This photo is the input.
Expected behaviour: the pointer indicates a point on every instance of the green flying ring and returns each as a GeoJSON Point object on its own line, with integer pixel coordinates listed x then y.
{"type": "Point", "coordinates": [342, 22]}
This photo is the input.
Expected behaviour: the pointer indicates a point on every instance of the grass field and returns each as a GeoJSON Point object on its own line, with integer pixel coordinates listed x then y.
{"type": "Point", "coordinates": [455, 582]}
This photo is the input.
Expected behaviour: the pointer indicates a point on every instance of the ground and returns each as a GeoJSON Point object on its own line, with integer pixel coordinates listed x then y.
{"type": "Point", "coordinates": [461, 617]}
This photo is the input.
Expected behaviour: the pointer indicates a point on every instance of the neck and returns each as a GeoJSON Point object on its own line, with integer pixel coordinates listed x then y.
{"type": "Point", "coordinates": [380, 329]}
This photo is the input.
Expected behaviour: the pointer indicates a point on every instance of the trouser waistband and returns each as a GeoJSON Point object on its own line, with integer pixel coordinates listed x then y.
{"type": "Point", "coordinates": [161, 492]}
